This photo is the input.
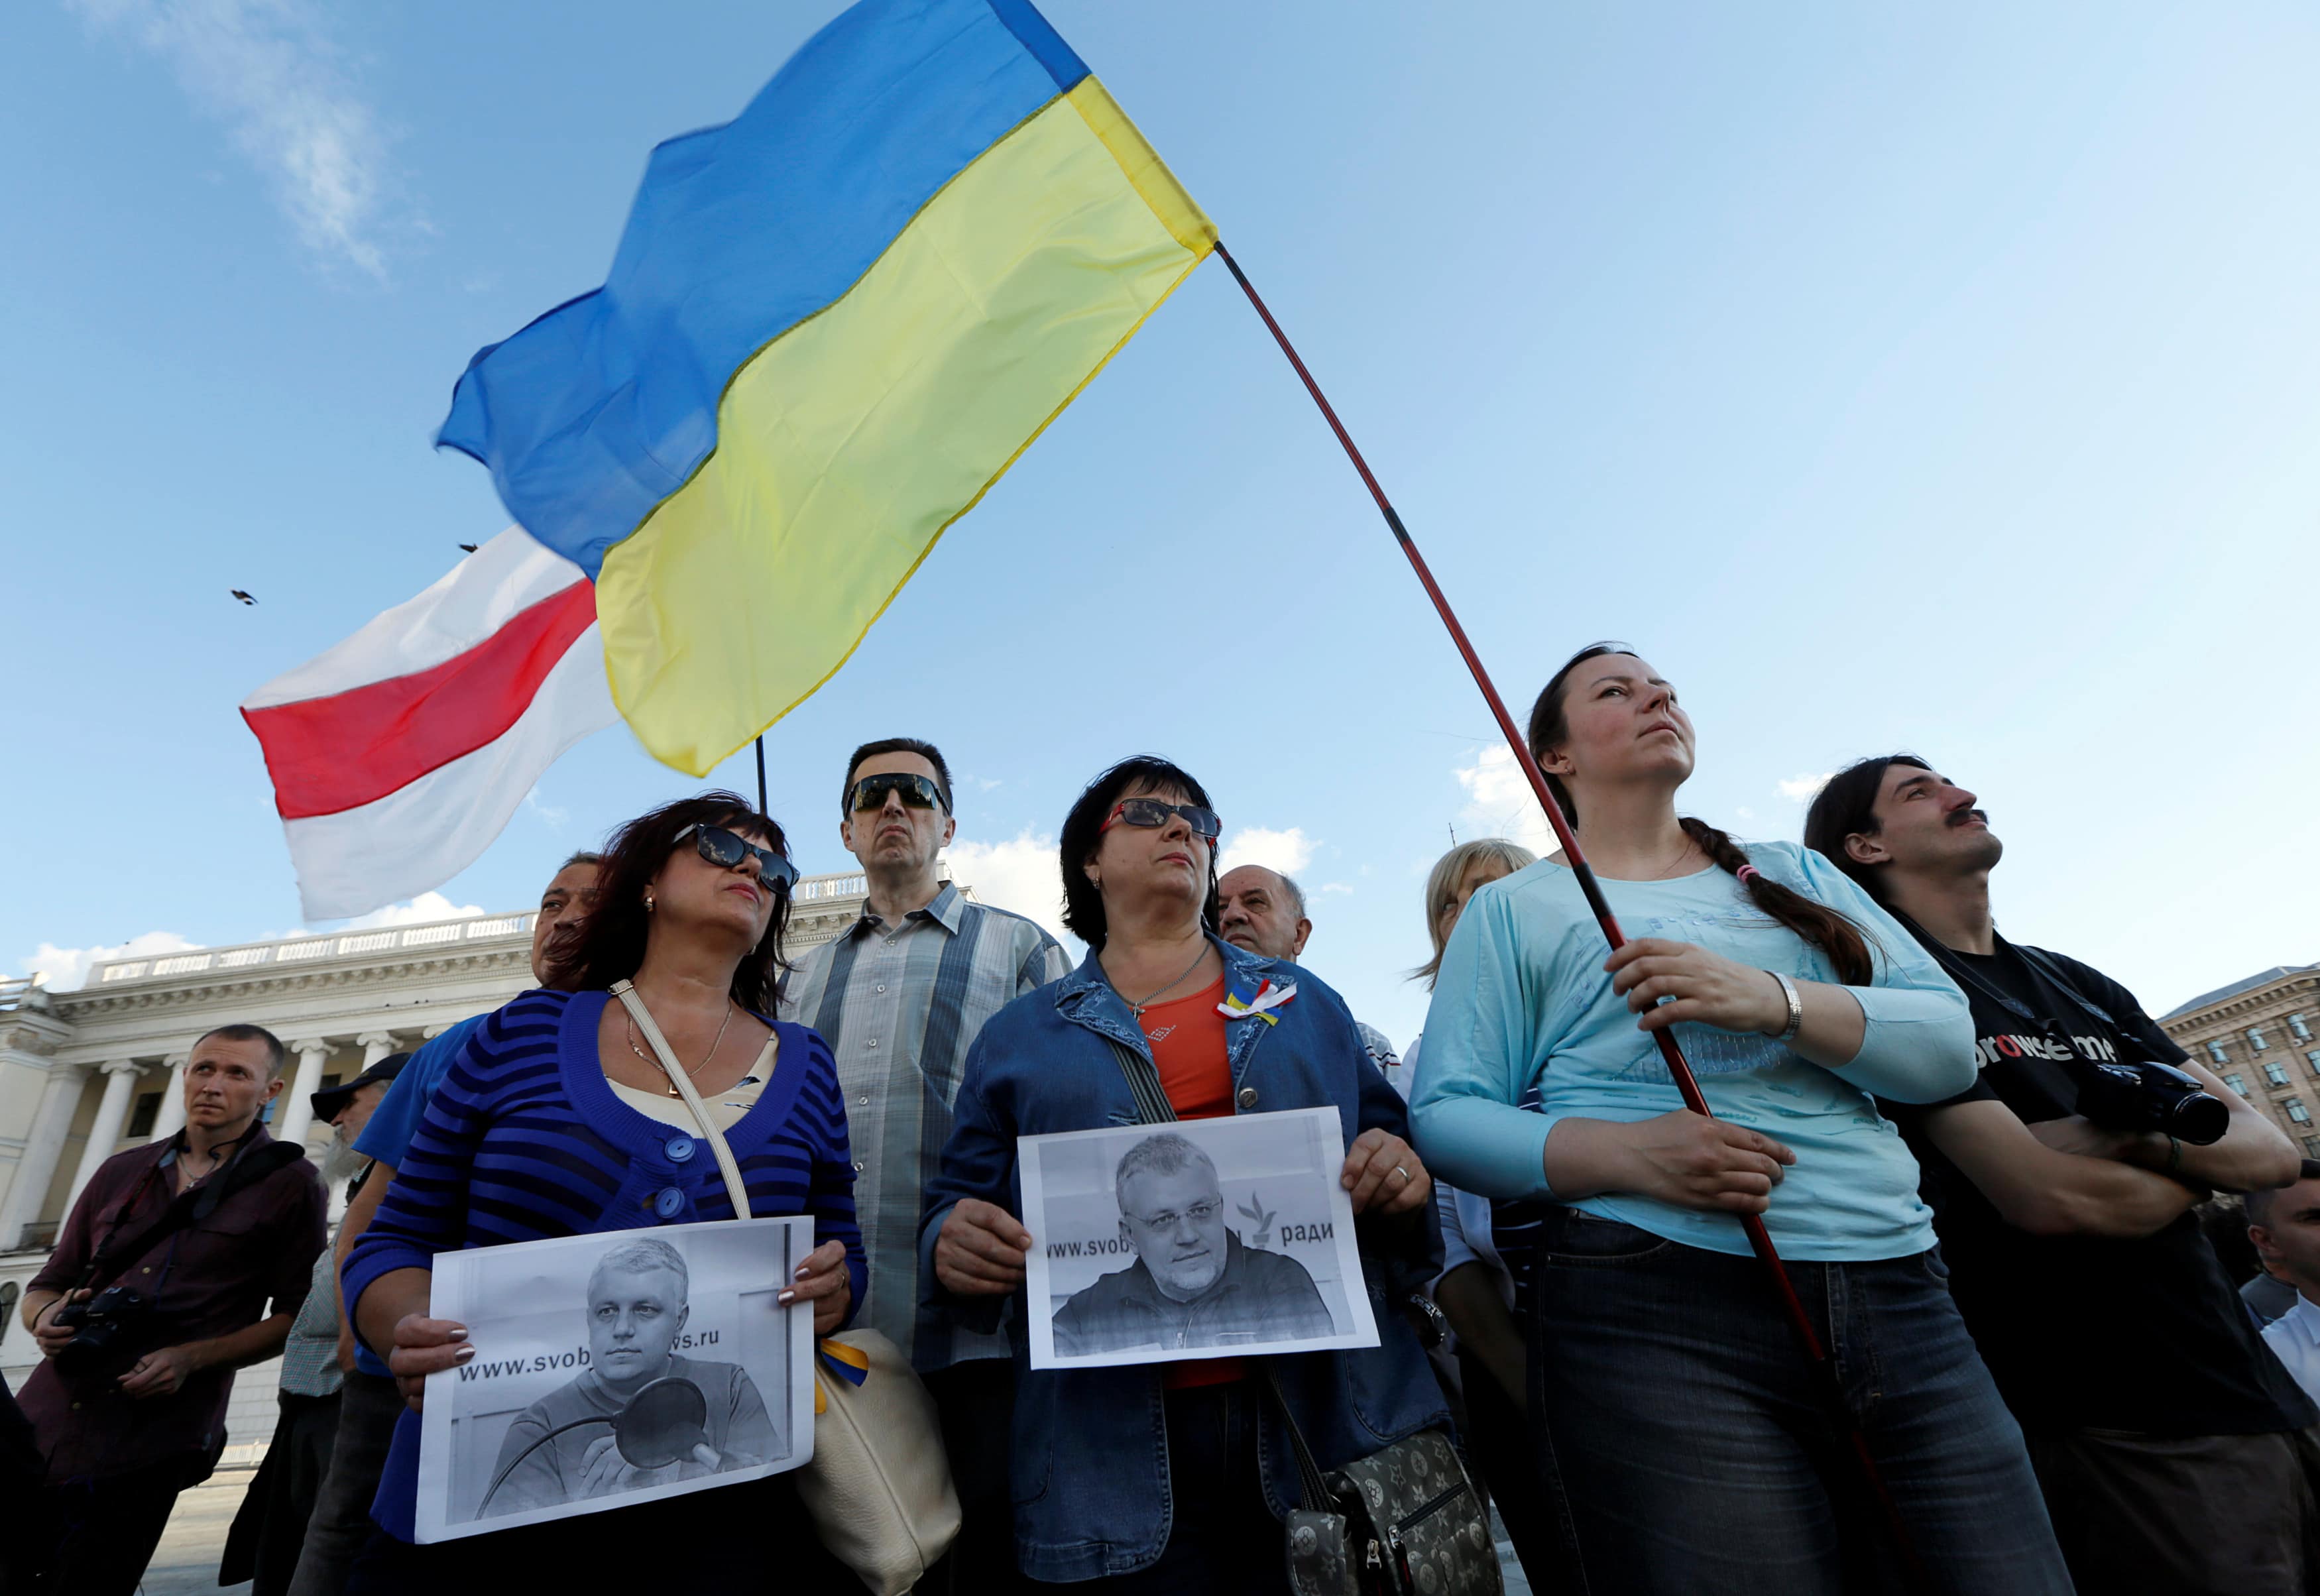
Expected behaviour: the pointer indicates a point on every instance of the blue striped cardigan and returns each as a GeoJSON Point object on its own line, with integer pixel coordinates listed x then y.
{"type": "Point", "coordinates": [525, 1139]}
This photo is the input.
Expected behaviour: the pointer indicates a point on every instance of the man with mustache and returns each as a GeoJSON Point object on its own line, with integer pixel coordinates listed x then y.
{"type": "Point", "coordinates": [369, 1404]}
{"type": "Point", "coordinates": [1192, 1284]}
{"type": "Point", "coordinates": [2163, 1434]}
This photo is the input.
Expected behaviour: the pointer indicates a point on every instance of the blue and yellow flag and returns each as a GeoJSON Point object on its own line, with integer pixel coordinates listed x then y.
{"type": "Point", "coordinates": [831, 325]}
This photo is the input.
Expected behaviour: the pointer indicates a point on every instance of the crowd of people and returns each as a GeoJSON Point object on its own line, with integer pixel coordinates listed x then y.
{"type": "Point", "coordinates": [1982, 1162]}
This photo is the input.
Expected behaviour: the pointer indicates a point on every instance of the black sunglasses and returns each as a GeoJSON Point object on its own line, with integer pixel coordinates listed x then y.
{"type": "Point", "coordinates": [917, 792]}
{"type": "Point", "coordinates": [721, 848]}
{"type": "Point", "coordinates": [1150, 813]}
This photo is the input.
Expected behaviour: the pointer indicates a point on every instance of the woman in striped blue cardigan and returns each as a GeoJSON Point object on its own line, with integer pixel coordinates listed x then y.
{"type": "Point", "coordinates": [558, 1121]}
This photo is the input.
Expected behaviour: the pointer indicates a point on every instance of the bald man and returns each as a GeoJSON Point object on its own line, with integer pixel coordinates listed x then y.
{"type": "Point", "coordinates": [1262, 911]}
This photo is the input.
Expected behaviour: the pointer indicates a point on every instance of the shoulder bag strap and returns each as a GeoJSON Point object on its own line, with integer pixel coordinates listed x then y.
{"type": "Point", "coordinates": [677, 1078]}
{"type": "Point", "coordinates": [1152, 1104]}
{"type": "Point", "coordinates": [2038, 960]}
{"type": "Point", "coordinates": [1153, 1107]}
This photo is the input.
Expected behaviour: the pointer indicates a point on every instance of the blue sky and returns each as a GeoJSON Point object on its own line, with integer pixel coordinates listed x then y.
{"type": "Point", "coordinates": [1938, 379]}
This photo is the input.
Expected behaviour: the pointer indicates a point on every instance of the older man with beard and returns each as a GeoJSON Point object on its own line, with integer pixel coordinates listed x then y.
{"type": "Point", "coordinates": [270, 1529]}
{"type": "Point", "coordinates": [368, 1402]}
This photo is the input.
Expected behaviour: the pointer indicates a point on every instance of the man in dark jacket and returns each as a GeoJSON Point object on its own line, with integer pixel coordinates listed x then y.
{"type": "Point", "coordinates": [158, 1289]}
{"type": "Point", "coordinates": [1192, 1284]}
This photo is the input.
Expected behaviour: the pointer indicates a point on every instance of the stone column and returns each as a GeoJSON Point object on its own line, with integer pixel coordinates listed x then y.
{"type": "Point", "coordinates": [297, 1115]}
{"type": "Point", "coordinates": [376, 1045]}
{"type": "Point", "coordinates": [172, 1117]}
{"type": "Point", "coordinates": [51, 1123]}
{"type": "Point", "coordinates": [111, 1114]}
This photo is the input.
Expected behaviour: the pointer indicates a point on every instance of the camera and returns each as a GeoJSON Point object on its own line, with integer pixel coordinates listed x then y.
{"type": "Point", "coordinates": [2144, 1094]}
{"type": "Point", "coordinates": [101, 1323]}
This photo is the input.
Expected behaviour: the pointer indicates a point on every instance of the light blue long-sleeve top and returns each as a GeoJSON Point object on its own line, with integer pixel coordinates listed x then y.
{"type": "Point", "coordinates": [1523, 1000]}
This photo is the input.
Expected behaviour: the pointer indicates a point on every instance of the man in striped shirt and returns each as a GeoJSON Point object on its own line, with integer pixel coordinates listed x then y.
{"type": "Point", "coordinates": [900, 996]}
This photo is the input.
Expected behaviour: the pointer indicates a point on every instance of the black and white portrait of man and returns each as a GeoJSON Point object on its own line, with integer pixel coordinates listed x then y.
{"type": "Point", "coordinates": [1193, 1284]}
{"type": "Point", "coordinates": [642, 1413]}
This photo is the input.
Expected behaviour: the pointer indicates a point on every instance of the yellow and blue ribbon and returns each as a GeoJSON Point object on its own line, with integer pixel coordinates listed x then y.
{"type": "Point", "coordinates": [849, 1363]}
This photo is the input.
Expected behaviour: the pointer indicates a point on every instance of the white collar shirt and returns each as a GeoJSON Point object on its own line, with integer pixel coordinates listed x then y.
{"type": "Point", "coordinates": [2294, 1339]}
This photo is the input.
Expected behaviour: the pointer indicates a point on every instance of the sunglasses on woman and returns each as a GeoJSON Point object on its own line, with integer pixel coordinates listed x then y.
{"type": "Point", "coordinates": [916, 791]}
{"type": "Point", "coordinates": [1151, 814]}
{"type": "Point", "coordinates": [721, 848]}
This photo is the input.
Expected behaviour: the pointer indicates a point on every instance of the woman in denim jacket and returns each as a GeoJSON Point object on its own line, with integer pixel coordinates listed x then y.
{"type": "Point", "coordinates": [1177, 1476]}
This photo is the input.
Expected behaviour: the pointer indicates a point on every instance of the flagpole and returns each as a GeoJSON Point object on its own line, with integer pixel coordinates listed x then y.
{"type": "Point", "coordinates": [1679, 1068]}
{"type": "Point", "coordinates": [761, 774]}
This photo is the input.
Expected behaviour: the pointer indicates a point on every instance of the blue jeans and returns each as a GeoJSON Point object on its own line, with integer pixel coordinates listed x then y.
{"type": "Point", "coordinates": [1693, 1448]}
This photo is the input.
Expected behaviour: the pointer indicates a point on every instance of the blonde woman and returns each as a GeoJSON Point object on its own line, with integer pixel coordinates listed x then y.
{"type": "Point", "coordinates": [1475, 1291]}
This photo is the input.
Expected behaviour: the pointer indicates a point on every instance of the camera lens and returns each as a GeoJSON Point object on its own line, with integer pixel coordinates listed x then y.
{"type": "Point", "coordinates": [2199, 1119]}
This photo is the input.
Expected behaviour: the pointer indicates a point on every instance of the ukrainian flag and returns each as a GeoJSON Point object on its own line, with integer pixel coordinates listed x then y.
{"type": "Point", "coordinates": [831, 325]}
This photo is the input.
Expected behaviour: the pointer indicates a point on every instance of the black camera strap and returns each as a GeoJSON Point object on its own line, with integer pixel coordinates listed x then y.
{"type": "Point", "coordinates": [250, 1165]}
{"type": "Point", "coordinates": [2037, 962]}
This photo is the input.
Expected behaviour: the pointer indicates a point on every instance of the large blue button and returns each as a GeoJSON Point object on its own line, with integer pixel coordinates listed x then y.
{"type": "Point", "coordinates": [679, 1148]}
{"type": "Point", "coordinates": [668, 1203]}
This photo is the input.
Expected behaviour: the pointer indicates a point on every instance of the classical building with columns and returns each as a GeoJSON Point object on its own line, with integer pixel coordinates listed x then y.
{"type": "Point", "coordinates": [87, 1073]}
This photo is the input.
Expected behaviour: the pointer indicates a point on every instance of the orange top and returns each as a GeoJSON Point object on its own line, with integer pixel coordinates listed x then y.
{"type": "Point", "coordinates": [1188, 1043]}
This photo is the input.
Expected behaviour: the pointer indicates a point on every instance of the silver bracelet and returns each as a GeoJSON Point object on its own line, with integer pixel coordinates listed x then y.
{"type": "Point", "coordinates": [1796, 1008]}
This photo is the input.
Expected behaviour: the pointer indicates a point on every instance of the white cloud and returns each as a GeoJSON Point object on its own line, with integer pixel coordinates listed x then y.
{"type": "Point", "coordinates": [423, 910]}
{"type": "Point", "coordinates": [1335, 887]}
{"type": "Point", "coordinates": [554, 815]}
{"type": "Point", "coordinates": [1287, 851]}
{"type": "Point", "coordinates": [1500, 804]}
{"type": "Point", "coordinates": [1802, 789]}
{"type": "Point", "coordinates": [266, 69]}
{"type": "Point", "coordinates": [1021, 875]}
{"type": "Point", "coordinates": [65, 968]}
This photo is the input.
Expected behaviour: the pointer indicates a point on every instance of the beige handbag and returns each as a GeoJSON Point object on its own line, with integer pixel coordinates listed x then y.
{"type": "Point", "coordinates": [879, 1486]}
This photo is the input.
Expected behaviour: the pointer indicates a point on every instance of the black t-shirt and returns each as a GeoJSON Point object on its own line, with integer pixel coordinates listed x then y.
{"type": "Point", "coordinates": [2084, 1331]}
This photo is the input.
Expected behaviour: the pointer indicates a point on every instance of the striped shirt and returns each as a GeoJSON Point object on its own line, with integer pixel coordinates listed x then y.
{"type": "Point", "coordinates": [900, 1004]}
{"type": "Point", "coordinates": [525, 1139]}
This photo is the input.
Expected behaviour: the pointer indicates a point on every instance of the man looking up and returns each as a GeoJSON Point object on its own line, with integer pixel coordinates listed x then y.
{"type": "Point", "coordinates": [158, 1290]}
{"type": "Point", "coordinates": [900, 996]}
{"type": "Point", "coordinates": [2161, 1431]}
{"type": "Point", "coordinates": [2285, 1226]}
{"type": "Point", "coordinates": [1262, 911]}
{"type": "Point", "coordinates": [368, 1402]}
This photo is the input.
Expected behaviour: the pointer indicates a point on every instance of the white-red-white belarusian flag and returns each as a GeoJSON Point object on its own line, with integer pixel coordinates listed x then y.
{"type": "Point", "coordinates": [398, 756]}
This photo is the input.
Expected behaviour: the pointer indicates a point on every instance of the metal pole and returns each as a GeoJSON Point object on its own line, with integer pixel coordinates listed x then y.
{"type": "Point", "coordinates": [1687, 1084]}
{"type": "Point", "coordinates": [761, 776]}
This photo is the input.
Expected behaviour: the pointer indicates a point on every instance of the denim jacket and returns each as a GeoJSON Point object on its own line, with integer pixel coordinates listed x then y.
{"type": "Point", "coordinates": [1091, 1449]}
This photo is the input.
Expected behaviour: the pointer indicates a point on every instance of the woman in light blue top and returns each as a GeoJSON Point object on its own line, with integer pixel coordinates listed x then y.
{"type": "Point", "coordinates": [1670, 1406]}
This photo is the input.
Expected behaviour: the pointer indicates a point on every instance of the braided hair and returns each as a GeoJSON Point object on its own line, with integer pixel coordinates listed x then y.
{"type": "Point", "coordinates": [1815, 921]}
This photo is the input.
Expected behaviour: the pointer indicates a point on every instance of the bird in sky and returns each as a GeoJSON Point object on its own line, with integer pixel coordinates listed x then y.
{"type": "Point", "coordinates": [470, 548]}
{"type": "Point", "coordinates": [244, 597]}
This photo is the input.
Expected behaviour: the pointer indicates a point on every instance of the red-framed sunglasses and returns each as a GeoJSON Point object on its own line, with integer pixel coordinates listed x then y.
{"type": "Point", "coordinates": [1151, 814]}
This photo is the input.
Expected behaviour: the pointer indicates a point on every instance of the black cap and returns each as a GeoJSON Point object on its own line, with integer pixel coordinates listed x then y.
{"type": "Point", "coordinates": [331, 1101]}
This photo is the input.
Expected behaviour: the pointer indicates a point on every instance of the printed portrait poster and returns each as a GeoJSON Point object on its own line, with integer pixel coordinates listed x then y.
{"type": "Point", "coordinates": [1202, 1238]}
{"type": "Point", "coordinates": [614, 1369]}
